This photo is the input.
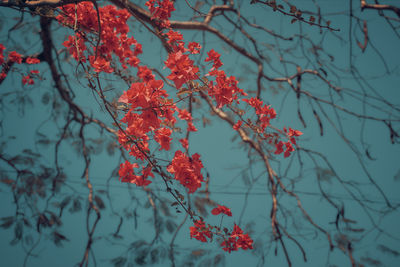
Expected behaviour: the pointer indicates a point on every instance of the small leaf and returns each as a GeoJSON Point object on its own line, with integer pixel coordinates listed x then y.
{"type": "Point", "coordinates": [7, 222]}
{"type": "Point", "coordinates": [312, 19]}
{"type": "Point", "coordinates": [58, 238]}
{"type": "Point", "coordinates": [119, 261]}
{"type": "Point", "coordinates": [18, 230]}
{"type": "Point", "coordinates": [76, 206]}
{"type": "Point", "coordinates": [293, 21]}
{"type": "Point", "coordinates": [45, 98]}
{"type": "Point", "coordinates": [218, 259]}
{"type": "Point", "coordinates": [65, 201]}
{"type": "Point", "coordinates": [171, 226]}
{"type": "Point", "coordinates": [99, 202]}
{"type": "Point", "coordinates": [293, 9]}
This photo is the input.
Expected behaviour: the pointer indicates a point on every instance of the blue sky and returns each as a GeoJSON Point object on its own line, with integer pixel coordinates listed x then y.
{"type": "Point", "coordinates": [224, 158]}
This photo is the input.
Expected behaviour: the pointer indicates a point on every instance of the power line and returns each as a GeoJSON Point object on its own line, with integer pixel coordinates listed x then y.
{"type": "Point", "coordinates": [223, 192]}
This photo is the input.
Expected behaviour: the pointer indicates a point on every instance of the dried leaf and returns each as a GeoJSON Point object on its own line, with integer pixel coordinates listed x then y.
{"type": "Point", "coordinates": [119, 261]}
{"type": "Point", "coordinates": [7, 222]}
{"type": "Point", "coordinates": [99, 202]}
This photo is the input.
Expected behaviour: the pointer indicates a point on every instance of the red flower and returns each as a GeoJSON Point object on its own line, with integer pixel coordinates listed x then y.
{"type": "Point", "coordinates": [292, 134]}
{"type": "Point", "coordinates": [265, 113]}
{"type": "Point", "coordinates": [289, 149]}
{"type": "Point", "coordinates": [194, 47]}
{"type": "Point", "coordinates": [162, 136]}
{"type": "Point", "coordinates": [32, 60]}
{"type": "Point", "coordinates": [214, 56]}
{"type": "Point", "coordinates": [174, 37]}
{"type": "Point", "coordinates": [162, 11]}
{"type": "Point", "coordinates": [2, 48]}
{"type": "Point", "coordinates": [76, 52]}
{"type": "Point", "coordinates": [184, 142]}
{"type": "Point", "coordinates": [182, 68]}
{"type": "Point", "coordinates": [2, 76]}
{"type": "Point", "coordinates": [200, 231]}
{"type": "Point", "coordinates": [279, 148]}
{"type": "Point", "coordinates": [133, 61]}
{"type": "Point", "coordinates": [15, 57]}
{"type": "Point", "coordinates": [237, 240]}
{"type": "Point", "coordinates": [126, 174]}
{"type": "Point", "coordinates": [34, 72]}
{"type": "Point", "coordinates": [224, 89]}
{"type": "Point", "coordinates": [100, 64]}
{"type": "Point", "coordinates": [27, 80]}
{"type": "Point", "coordinates": [145, 73]}
{"type": "Point", "coordinates": [229, 245]}
{"type": "Point", "coordinates": [187, 170]}
{"type": "Point", "coordinates": [191, 127]}
{"type": "Point", "coordinates": [245, 242]}
{"type": "Point", "coordinates": [221, 209]}
{"type": "Point", "coordinates": [183, 114]}
{"type": "Point", "coordinates": [236, 127]}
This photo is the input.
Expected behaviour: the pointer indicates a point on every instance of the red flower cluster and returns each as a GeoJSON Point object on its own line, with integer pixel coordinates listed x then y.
{"type": "Point", "coordinates": [32, 60]}
{"type": "Point", "coordinates": [149, 113]}
{"type": "Point", "coordinates": [200, 231]}
{"type": "Point", "coordinates": [289, 144]}
{"type": "Point", "coordinates": [265, 113]}
{"type": "Point", "coordinates": [162, 136]}
{"type": "Point", "coordinates": [224, 89]}
{"type": "Point", "coordinates": [127, 175]}
{"type": "Point", "coordinates": [232, 241]}
{"type": "Point", "coordinates": [292, 134]}
{"type": "Point", "coordinates": [27, 80]}
{"type": "Point", "coordinates": [76, 47]}
{"type": "Point", "coordinates": [150, 99]}
{"type": "Point", "coordinates": [237, 240]}
{"type": "Point", "coordinates": [149, 109]}
{"type": "Point", "coordinates": [221, 209]}
{"type": "Point", "coordinates": [237, 126]}
{"type": "Point", "coordinates": [182, 69]}
{"type": "Point", "coordinates": [161, 12]}
{"type": "Point", "coordinates": [187, 170]}
{"type": "Point", "coordinates": [194, 47]}
{"type": "Point", "coordinates": [15, 57]}
{"type": "Point", "coordinates": [2, 48]}
{"type": "Point", "coordinates": [215, 58]}
{"type": "Point", "coordinates": [183, 114]}
{"type": "Point", "coordinates": [114, 39]}
{"type": "Point", "coordinates": [184, 142]}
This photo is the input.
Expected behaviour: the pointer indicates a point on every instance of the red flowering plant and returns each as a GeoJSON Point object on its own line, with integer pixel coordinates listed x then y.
{"type": "Point", "coordinates": [16, 58]}
{"type": "Point", "coordinates": [156, 111]}
{"type": "Point", "coordinates": [150, 115]}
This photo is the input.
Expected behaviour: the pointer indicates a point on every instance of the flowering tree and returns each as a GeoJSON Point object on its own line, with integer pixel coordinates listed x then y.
{"type": "Point", "coordinates": [150, 123]}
